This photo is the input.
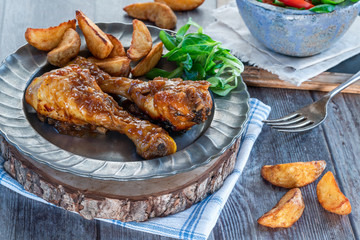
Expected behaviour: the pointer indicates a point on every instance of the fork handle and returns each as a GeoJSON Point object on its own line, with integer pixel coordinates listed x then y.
{"type": "Point", "coordinates": [344, 85]}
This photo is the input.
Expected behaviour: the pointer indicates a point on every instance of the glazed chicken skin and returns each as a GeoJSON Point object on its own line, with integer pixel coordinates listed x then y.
{"type": "Point", "coordinates": [71, 95]}
{"type": "Point", "coordinates": [178, 104]}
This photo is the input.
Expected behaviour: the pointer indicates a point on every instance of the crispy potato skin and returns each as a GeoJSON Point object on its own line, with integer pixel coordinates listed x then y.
{"type": "Point", "coordinates": [115, 66]}
{"type": "Point", "coordinates": [141, 42]}
{"type": "Point", "coordinates": [96, 40]}
{"type": "Point", "coordinates": [292, 175]}
{"type": "Point", "coordinates": [330, 196]}
{"type": "Point", "coordinates": [150, 61]}
{"type": "Point", "coordinates": [159, 13]}
{"type": "Point", "coordinates": [46, 39]}
{"type": "Point", "coordinates": [118, 50]}
{"type": "Point", "coordinates": [286, 212]}
{"type": "Point", "coordinates": [182, 5]}
{"type": "Point", "coordinates": [67, 49]}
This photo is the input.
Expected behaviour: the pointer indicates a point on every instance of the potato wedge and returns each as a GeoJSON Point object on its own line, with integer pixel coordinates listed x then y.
{"type": "Point", "coordinates": [97, 41]}
{"type": "Point", "coordinates": [141, 42]}
{"type": "Point", "coordinates": [286, 212]}
{"type": "Point", "coordinates": [68, 48]}
{"type": "Point", "coordinates": [118, 50]}
{"type": "Point", "coordinates": [292, 175]}
{"type": "Point", "coordinates": [159, 13]}
{"type": "Point", "coordinates": [331, 197]}
{"type": "Point", "coordinates": [149, 62]}
{"type": "Point", "coordinates": [46, 39]}
{"type": "Point", "coordinates": [115, 66]}
{"type": "Point", "coordinates": [182, 5]}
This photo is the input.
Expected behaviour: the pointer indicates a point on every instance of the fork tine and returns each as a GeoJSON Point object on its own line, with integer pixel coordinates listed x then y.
{"type": "Point", "coordinates": [282, 119]}
{"type": "Point", "coordinates": [291, 121]}
{"type": "Point", "coordinates": [302, 129]}
{"type": "Point", "coordinates": [292, 126]}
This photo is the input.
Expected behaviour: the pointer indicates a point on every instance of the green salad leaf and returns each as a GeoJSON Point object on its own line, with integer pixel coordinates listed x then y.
{"type": "Point", "coordinates": [316, 2]}
{"type": "Point", "coordinates": [323, 8]}
{"type": "Point", "coordinates": [199, 57]}
{"type": "Point", "coordinates": [332, 1]}
{"type": "Point", "coordinates": [278, 3]}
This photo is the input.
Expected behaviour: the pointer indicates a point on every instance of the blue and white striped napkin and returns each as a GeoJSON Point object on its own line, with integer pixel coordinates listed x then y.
{"type": "Point", "coordinates": [198, 221]}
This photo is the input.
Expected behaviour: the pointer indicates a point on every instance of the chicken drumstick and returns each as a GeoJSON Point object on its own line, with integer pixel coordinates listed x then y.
{"type": "Point", "coordinates": [71, 95]}
{"type": "Point", "coordinates": [177, 103]}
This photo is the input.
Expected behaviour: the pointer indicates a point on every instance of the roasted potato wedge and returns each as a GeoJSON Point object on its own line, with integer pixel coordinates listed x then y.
{"type": "Point", "coordinates": [182, 5]}
{"type": "Point", "coordinates": [331, 197]}
{"type": "Point", "coordinates": [115, 66]}
{"type": "Point", "coordinates": [286, 212]}
{"type": "Point", "coordinates": [97, 41]}
{"type": "Point", "coordinates": [46, 39]}
{"type": "Point", "coordinates": [141, 42]}
{"type": "Point", "coordinates": [118, 50]}
{"type": "Point", "coordinates": [159, 13]}
{"type": "Point", "coordinates": [68, 48]}
{"type": "Point", "coordinates": [292, 175]}
{"type": "Point", "coordinates": [149, 62]}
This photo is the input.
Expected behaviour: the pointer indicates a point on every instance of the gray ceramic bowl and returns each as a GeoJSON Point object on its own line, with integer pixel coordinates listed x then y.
{"type": "Point", "coordinates": [298, 33]}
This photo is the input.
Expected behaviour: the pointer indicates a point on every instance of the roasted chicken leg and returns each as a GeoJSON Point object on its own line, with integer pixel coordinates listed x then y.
{"type": "Point", "coordinates": [177, 103]}
{"type": "Point", "coordinates": [71, 95]}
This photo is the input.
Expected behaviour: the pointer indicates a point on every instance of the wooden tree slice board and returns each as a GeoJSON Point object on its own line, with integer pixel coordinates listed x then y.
{"type": "Point", "coordinates": [126, 201]}
{"type": "Point", "coordinates": [325, 82]}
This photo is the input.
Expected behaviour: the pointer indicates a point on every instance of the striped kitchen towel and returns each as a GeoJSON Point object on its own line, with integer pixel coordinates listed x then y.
{"type": "Point", "coordinates": [198, 221]}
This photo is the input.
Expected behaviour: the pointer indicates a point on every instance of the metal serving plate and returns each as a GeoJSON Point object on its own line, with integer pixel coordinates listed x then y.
{"type": "Point", "coordinates": [111, 156]}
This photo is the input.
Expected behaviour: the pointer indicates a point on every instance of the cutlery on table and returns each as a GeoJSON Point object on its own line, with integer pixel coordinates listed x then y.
{"type": "Point", "coordinates": [311, 115]}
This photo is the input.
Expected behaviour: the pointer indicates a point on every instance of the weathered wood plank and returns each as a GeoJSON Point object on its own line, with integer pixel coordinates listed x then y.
{"type": "Point", "coordinates": [110, 231]}
{"type": "Point", "coordinates": [350, 65]}
{"type": "Point", "coordinates": [9, 208]}
{"type": "Point", "coordinates": [342, 134]}
{"type": "Point", "coordinates": [23, 218]}
{"type": "Point", "coordinates": [325, 82]}
{"type": "Point", "coordinates": [253, 196]}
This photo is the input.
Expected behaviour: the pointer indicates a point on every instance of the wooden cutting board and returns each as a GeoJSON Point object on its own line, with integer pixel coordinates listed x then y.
{"type": "Point", "coordinates": [327, 81]}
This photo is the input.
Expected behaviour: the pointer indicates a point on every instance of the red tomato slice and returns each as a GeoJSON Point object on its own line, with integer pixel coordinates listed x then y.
{"type": "Point", "coordinates": [297, 3]}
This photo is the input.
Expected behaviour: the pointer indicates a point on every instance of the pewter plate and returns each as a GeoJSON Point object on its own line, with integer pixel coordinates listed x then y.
{"type": "Point", "coordinates": [111, 156]}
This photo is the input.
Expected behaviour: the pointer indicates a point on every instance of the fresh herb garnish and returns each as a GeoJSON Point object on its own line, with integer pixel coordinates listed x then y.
{"type": "Point", "coordinates": [323, 8]}
{"type": "Point", "coordinates": [278, 3]}
{"type": "Point", "coordinates": [332, 1]}
{"type": "Point", "coordinates": [199, 57]}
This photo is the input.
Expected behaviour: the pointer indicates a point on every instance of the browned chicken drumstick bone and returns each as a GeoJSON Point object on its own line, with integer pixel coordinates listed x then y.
{"type": "Point", "coordinates": [71, 95]}
{"type": "Point", "coordinates": [177, 103]}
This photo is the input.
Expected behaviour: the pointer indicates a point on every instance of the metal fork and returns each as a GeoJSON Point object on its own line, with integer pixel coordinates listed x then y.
{"type": "Point", "coordinates": [311, 115]}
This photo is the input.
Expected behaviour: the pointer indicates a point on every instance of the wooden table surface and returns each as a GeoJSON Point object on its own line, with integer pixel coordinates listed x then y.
{"type": "Point", "coordinates": [337, 141]}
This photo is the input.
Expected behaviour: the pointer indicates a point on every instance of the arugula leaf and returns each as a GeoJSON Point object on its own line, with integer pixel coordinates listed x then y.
{"type": "Point", "coordinates": [167, 39]}
{"type": "Point", "coordinates": [188, 63]}
{"type": "Point", "coordinates": [278, 3]}
{"type": "Point", "coordinates": [316, 2]}
{"type": "Point", "coordinates": [332, 1]}
{"type": "Point", "coordinates": [323, 8]}
{"type": "Point", "coordinates": [199, 57]}
{"type": "Point", "coordinates": [182, 31]}
{"type": "Point", "coordinates": [156, 72]}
